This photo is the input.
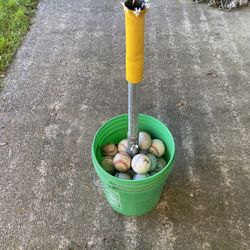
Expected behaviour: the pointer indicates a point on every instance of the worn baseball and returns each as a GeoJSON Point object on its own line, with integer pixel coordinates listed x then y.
{"type": "Point", "coordinates": [161, 163]}
{"type": "Point", "coordinates": [123, 146]}
{"type": "Point", "coordinates": [122, 162]}
{"type": "Point", "coordinates": [144, 140]}
{"type": "Point", "coordinates": [107, 164]}
{"type": "Point", "coordinates": [141, 164]}
{"type": "Point", "coordinates": [153, 162]}
{"type": "Point", "coordinates": [109, 149]}
{"type": "Point", "coordinates": [123, 176]}
{"type": "Point", "coordinates": [157, 148]}
{"type": "Point", "coordinates": [140, 176]}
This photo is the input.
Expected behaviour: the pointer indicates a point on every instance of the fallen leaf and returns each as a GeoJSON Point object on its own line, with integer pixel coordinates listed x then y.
{"type": "Point", "coordinates": [180, 104]}
{"type": "Point", "coordinates": [212, 74]}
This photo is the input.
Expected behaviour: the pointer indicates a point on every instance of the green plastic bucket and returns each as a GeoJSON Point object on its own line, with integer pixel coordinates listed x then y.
{"type": "Point", "coordinates": [130, 197]}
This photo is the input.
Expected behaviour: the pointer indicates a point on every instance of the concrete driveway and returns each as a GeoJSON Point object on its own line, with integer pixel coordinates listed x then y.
{"type": "Point", "coordinates": [68, 78]}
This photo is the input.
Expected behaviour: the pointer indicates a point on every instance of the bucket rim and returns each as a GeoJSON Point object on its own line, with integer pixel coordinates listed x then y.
{"type": "Point", "coordinates": [122, 181]}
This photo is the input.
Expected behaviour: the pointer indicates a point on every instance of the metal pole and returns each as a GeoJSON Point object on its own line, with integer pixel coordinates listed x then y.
{"type": "Point", "coordinates": [133, 113]}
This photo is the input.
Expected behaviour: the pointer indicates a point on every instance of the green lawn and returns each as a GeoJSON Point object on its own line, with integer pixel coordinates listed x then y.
{"type": "Point", "coordinates": [15, 16]}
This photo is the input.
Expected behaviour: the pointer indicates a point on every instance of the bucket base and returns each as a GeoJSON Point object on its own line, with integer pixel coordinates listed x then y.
{"type": "Point", "coordinates": [132, 209]}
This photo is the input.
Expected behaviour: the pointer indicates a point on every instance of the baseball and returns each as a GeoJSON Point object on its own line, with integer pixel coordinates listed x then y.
{"type": "Point", "coordinates": [144, 141]}
{"type": "Point", "coordinates": [140, 176]}
{"type": "Point", "coordinates": [161, 163]}
{"type": "Point", "coordinates": [107, 164]}
{"type": "Point", "coordinates": [122, 162]}
{"type": "Point", "coordinates": [141, 164]}
{"type": "Point", "coordinates": [153, 161]}
{"type": "Point", "coordinates": [157, 148]}
{"type": "Point", "coordinates": [109, 149]}
{"type": "Point", "coordinates": [123, 176]}
{"type": "Point", "coordinates": [123, 146]}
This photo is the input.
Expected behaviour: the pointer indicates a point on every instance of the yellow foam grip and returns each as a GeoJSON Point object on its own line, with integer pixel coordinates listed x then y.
{"type": "Point", "coordinates": [134, 46]}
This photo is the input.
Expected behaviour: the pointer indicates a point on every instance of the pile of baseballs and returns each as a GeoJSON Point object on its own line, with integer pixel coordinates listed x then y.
{"type": "Point", "coordinates": [147, 162]}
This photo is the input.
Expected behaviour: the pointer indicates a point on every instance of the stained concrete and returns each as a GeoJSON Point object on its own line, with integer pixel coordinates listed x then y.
{"type": "Point", "coordinates": [68, 78]}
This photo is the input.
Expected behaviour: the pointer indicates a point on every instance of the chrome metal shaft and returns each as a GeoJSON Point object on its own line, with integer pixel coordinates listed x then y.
{"type": "Point", "coordinates": [133, 118]}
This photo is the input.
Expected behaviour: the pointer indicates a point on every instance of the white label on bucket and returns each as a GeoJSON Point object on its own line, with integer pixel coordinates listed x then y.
{"type": "Point", "coordinates": [114, 198]}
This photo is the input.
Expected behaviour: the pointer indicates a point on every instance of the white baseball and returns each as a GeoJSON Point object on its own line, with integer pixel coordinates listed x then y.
{"type": "Point", "coordinates": [140, 164]}
{"type": "Point", "coordinates": [122, 162]}
{"type": "Point", "coordinates": [144, 140]}
{"type": "Point", "coordinates": [140, 176]}
{"type": "Point", "coordinates": [123, 176]}
{"type": "Point", "coordinates": [157, 148]}
{"type": "Point", "coordinates": [123, 146]}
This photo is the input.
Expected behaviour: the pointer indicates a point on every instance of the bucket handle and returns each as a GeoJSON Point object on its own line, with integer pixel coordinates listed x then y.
{"type": "Point", "coordinates": [99, 185]}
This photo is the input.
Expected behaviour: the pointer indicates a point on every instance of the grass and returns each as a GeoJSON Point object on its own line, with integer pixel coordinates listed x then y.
{"type": "Point", "coordinates": [15, 17]}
